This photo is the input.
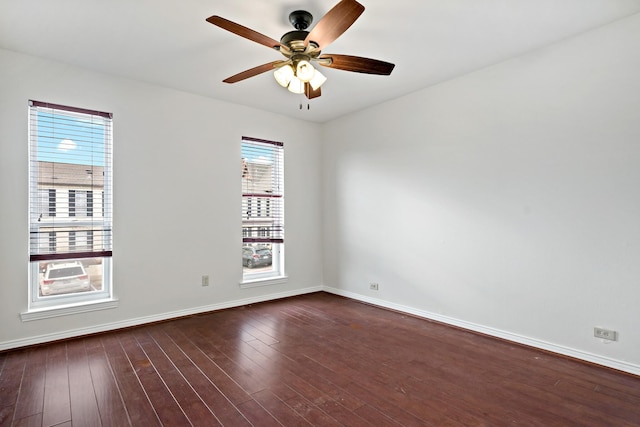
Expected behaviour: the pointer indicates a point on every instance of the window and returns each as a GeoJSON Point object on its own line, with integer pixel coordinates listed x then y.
{"type": "Point", "coordinates": [80, 203]}
{"type": "Point", "coordinates": [70, 209]}
{"type": "Point", "coordinates": [48, 198]}
{"type": "Point", "coordinates": [262, 210]}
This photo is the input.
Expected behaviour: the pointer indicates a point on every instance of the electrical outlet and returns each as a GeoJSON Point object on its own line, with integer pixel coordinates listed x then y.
{"type": "Point", "coordinates": [205, 280]}
{"type": "Point", "coordinates": [373, 286]}
{"type": "Point", "coordinates": [605, 334]}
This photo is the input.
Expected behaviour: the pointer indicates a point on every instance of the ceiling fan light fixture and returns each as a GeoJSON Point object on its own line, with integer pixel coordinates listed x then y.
{"type": "Point", "coordinates": [317, 80]}
{"type": "Point", "coordinates": [296, 85]}
{"type": "Point", "coordinates": [301, 47]}
{"type": "Point", "coordinates": [283, 75]}
{"type": "Point", "coordinates": [305, 71]}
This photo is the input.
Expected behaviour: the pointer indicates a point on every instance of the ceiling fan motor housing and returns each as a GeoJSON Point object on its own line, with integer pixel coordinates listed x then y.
{"type": "Point", "coordinates": [300, 19]}
{"type": "Point", "coordinates": [294, 40]}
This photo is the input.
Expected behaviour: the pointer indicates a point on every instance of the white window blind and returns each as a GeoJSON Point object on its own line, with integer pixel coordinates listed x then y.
{"type": "Point", "coordinates": [70, 181]}
{"type": "Point", "coordinates": [262, 191]}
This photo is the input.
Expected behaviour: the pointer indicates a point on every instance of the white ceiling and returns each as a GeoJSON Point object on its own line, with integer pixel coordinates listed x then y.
{"type": "Point", "coordinates": [169, 43]}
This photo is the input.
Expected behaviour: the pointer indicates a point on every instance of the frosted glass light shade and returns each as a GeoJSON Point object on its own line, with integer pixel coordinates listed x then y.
{"type": "Point", "coordinates": [296, 85]}
{"type": "Point", "coordinates": [283, 75]}
{"type": "Point", "coordinates": [305, 71]}
{"type": "Point", "coordinates": [317, 80]}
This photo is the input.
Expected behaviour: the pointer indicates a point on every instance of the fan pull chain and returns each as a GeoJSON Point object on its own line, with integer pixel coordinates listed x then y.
{"type": "Point", "coordinates": [301, 102]}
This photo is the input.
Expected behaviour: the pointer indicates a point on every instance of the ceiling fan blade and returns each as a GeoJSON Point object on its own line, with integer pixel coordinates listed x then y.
{"type": "Point", "coordinates": [310, 92]}
{"type": "Point", "coordinates": [242, 31]}
{"type": "Point", "coordinates": [252, 72]}
{"type": "Point", "coordinates": [356, 63]}
{"type": "Point", "coordinates": [335, 22]}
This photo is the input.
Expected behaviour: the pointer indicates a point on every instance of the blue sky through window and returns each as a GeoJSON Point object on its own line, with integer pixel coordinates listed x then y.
{"type": "Point", "coordinates": [71, 138]}
{"type": "Point", "coordinates": [253, 152]}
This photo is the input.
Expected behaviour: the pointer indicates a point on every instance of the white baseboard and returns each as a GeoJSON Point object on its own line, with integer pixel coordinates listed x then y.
{"type": "Point", "coordinates": [543, 345]}
{"type": "Point", "coordinates": [40, 339]}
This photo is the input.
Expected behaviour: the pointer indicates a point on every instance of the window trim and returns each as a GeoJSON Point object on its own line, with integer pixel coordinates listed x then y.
{"type": "Point", "coordinates": [41, 313]}
{"type": "Point", "coordinates": [254, 210]}
{"type": "Point", "coordinates": [267, 281]}
{"type": "Point", "coordinates": [82, 215]}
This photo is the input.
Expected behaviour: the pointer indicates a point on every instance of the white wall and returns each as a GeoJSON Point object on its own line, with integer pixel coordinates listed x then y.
{"type": "Point", "coordinates": [176, 197]}
{"type": "Point", "coordinates": [507, 200]}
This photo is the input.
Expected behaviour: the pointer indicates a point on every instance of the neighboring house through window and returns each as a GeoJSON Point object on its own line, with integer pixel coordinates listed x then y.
{"type": "Point", "coordinates": [70, 205]}
{"type": "Point", "coordinates": [262, 210]}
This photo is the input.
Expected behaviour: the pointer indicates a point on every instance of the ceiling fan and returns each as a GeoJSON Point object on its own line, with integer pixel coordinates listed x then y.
{"type": "Point", "coordinates": [301, 48]}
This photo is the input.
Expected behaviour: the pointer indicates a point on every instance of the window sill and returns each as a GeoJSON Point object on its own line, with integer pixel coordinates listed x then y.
{"type": "Point", "coordinates": [65, 310]}
{"type": "Point", "coordinates": [254, 283]}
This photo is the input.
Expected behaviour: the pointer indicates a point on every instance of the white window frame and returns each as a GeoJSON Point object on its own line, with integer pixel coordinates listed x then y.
{"type": "Point", "coordinates": [257, 230]}
{"type": "Point", "coordinates": [55, 305]}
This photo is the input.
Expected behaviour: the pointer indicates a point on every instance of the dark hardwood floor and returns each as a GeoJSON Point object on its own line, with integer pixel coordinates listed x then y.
{"type": "Point", "coordinates": [317, 359]}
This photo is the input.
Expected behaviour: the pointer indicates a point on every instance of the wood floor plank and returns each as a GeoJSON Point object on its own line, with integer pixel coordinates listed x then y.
{"type": "Point", "coordinates": [280, 410]}
{"type": "Point", "coordinates": [227, 386]}
{"type": "Point", "coordinates": [107, 393]}
{"type": "Point", "coordinates": [193, 407]}
{"type": "Point", "coordinates": [57, 400]}
{"type": "Point", "coordinates": [257, 415]}
{"type": "Point", "coordinates": [308, 394]}
{"type": "Point", "coordinates": [327, 381]}
{"type": "Point", "coordinates": [315, 359]}
{"type": "Point", "coordinates": [3, 359]}
{"type": "Point", "coordinates": [11, 377]}
{"type": "Point", "coordinates": [31, 398]}
{"type": "Point", "coordinates": [374, 417]}
{"type": "Point", "coordinates": [310, 412]}
{"type": "Point", "coordinates": [342, 414]}
{"type": "Point", "coordinates": [222, 410]}
{"type": "Point", "coordinates": [30, 421]}
{"type": "Point", "coordinates": [84, 406]}
{"type": "Point", "coordinates": [139, 410]}
{"type": "Point", "coordinates": [244, 371]}
{"type": "Point", "coordinates": [371, 385]}
{"type": "Point", "coordinates": [6, 414]}
{"type": "Point", "coordinates": [164, 404]}
{"type": "Point", "coordinates": [358, 384]}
